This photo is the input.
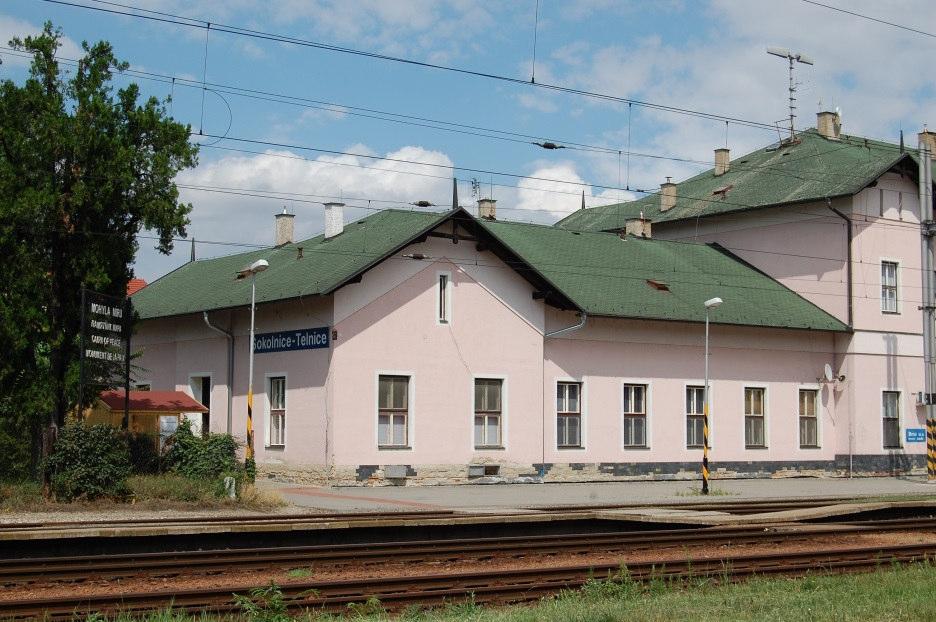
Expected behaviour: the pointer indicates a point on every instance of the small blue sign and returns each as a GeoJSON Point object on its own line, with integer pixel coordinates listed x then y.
{"type": "Point", "coordinates": [916, 435]}
{"type": "Point", "coordinates": [284, 341]}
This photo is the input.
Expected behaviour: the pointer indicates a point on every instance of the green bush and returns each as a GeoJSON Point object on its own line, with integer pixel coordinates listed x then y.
{"type": "Point", "coordinates": [205, 458]}
{"type": "Point", "coordinates": [88, 462]}
{"type": "Point", "coordinates": [20, 495]}
{"type": "Point", "coordinates": [144, 453]}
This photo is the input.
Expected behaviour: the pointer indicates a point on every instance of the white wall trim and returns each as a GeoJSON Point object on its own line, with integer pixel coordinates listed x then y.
{"type": "Point", "coordinates": [583, 413]}
{"type": "Point", "coordinates": [648, 406]}
{"type": "Point", "coordinates": [700, 382]}
{"type": "Point", "coordinates": [820, 411]}
{"type": "Point", "coordinates": [266, 409]}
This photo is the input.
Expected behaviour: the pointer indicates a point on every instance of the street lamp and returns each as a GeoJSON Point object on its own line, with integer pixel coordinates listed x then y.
{"type": "Point", "coordinates": [250, 465]}
{"type": "Point", "coordinates": [710, 304]}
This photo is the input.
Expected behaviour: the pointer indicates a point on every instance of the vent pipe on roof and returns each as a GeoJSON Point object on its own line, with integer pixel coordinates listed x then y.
{"type": "Point", "coordinates": [284, 231]}
{"type": "Point", "coordinates": [487, 209]}
{"type": "Point", "coordinates": [334, 219]}
{"type": "Point", "coordinates": [722, 161]}
{"type": "Point", "coordinates": [667, 194]}
{"type": "Point", "coordinates": [829, 124]}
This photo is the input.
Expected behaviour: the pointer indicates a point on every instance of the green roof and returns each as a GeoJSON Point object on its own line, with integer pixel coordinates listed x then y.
{"type": "Point", "coordinates": [605, 275]}
{"type": "Point", "coordinates": [209, 284]}
{"type": "Point", "coordinates": [599, 273]}
{"type": "Point", "coordinates": [815, 168]}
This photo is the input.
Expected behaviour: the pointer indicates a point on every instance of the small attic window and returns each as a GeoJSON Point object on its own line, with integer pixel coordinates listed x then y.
{"type": "Point", "coordinates": [721, 192]}
{"type": "Point", "coordinates": [658, 285]}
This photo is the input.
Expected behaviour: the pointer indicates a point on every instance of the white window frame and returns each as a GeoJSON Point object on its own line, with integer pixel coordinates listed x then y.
{"type": "Point", "coordinates": [142, 383]}
{"type": "Point", "coordinates": [900, 419]}
{"type": "Point", "coordinates": [711, 422]}
{"type": "Point", "coordinates": [267, 417]}
{"type": "Point", "coordinates": [191, 392]}
{"type": "Point", "coordinates": [449, 317]}
{"type": "Point", "coordinates": [898, 308]}
{"type": "Point", "coordinates": [818, 390]}
{"type": "Point", "coordinates": [410, 410]}
{"type": "Point", "coordinates": [582, 414]}
{"type": "Point", "coordinates": [504, 412]}
{"type": "Point", "coordinates": [766, 417]}
{"type": "Point", "coordinates": [648, 407]}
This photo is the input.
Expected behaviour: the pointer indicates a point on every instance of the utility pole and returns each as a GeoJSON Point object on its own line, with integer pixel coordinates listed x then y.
{"type": "Point", "coordinates": [928, 230]}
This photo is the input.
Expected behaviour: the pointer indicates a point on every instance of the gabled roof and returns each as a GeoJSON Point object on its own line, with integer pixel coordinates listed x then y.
{"type": "Point", "coordinates": [152, 401]}
{"type": "Point", "coordinates": [605, 275]}
{"type": "Point", "coordinates": [813, 169]}
{"type": "Point", "coordinates": [209, 284]}
{"type": "Point", "coordinates": [135, 285]}
{"type": "Point", "coordinates": [598, 273]}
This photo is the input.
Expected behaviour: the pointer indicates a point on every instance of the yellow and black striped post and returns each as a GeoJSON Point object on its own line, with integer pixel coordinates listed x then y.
{"type": "Point", "coordinates": [705, 471]}
{"type": "Point", "coordinates": [931, 450]}
{"type": "Point", "coordinates": [250, 465]}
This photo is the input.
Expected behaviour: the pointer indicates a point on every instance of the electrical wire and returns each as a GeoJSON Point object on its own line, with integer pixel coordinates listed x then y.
{"type": "Point", "coordinates": [871, 19]}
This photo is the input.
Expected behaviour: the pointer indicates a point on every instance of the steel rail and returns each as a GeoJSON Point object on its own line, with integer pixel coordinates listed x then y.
{"type": "Point", "coordinates": [162, 564]}
{"type": "Point", "coordinates": [492, 586]}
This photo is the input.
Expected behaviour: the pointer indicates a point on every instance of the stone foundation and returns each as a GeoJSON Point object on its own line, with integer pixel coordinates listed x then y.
{"type": "Point", "coordinates": [501, 472]}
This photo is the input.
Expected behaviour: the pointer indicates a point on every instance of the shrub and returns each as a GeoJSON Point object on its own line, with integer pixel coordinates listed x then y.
{"type": "Point", "coordinates": [20, 495]}
{"type": "Point", "coordinates": [170, 487]}
{"type": "Point", "coordinates": [144, 453]}
{"type": "Point", "coordinates": [88, 462]}
{"type": "Point", "coordinates": [206, 458]}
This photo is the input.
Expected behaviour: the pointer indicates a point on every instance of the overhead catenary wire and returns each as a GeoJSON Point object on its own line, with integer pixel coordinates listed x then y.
{"type": "Point", "coordinates": [871, 19]}
{"type": "Point", "coordinates": [180, 20]}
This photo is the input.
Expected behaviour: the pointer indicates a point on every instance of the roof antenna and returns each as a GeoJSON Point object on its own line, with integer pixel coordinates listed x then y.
{"type": "Point", "coordinates": [799, 58]}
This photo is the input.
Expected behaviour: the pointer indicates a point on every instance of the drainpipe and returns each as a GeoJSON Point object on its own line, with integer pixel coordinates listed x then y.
{"type": "Point", "coordinates": [230, 368]}
{"type": "Point", "coordinates": [848, 269]}
{"type": "Point", "coordinates": [567, 329]}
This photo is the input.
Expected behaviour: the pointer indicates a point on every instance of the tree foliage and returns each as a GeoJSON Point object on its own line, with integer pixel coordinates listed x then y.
{"type": "Point", "coordinates": [84, 166]}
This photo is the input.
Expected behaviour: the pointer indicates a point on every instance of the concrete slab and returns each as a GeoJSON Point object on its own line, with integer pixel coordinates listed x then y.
{"type": "Point", "coordinates": [513, 496]}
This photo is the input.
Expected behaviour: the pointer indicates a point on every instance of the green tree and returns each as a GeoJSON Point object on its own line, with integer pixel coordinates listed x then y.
{"type": "Point", "coordinates": [83, 168]}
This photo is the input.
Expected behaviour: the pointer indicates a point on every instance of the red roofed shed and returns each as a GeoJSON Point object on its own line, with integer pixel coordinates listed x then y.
{"type": "Point", "coordinates": [151, 412]}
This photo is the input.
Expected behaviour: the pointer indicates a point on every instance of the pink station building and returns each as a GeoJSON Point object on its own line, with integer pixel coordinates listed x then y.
{"type": "Point", "coordinates": [412, 347]}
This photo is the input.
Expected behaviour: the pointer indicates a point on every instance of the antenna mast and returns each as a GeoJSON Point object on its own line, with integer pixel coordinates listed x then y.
{"type": "Point", "coordinates": [792, 58]}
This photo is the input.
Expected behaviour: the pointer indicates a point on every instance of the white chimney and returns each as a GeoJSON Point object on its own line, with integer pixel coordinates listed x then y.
{"type": "Point", "coordinates": [487, 208]}
{"type": "Point", "coordinates": [283, 234]}
{"type": "Point", "coordinates": [722, 161]}
{"type": "Point", "coordinates": [641, 227]}
{"type": "Point", "coordinates": [334, 219]}
{"type": "Point", "coordinates": [928, 138]}
{"type": "Point", "coordinates": [829, 124]}
{"type": "Point", "coordinates": [667, 195]}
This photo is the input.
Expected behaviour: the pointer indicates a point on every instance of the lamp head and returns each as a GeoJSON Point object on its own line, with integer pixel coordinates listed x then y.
{"type": "Point", "coordinates": [256, 267]}
{"type": "Point", "coordinates": [712, 303]}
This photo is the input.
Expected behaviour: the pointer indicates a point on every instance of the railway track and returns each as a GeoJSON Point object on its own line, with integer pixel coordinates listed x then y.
{"type": "Point", "coordinates": [15, 572]}
{"type": "Point", "coordinates": [491, 586]}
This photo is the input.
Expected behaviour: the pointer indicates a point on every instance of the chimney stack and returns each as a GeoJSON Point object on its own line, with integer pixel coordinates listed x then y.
{"type": "Point", "coordinates": [829, 124]}
{"type": "Point", "coordinates": [722, 161]}
{"type": "Point", "coordinates": [487, 209]}
{"type": "Point", "coordinates": [640, 227]}
{"type": "Point", "coordinates": [334, 219]}
{"type": "Point", "coordinates": [928, 137]}
{"type": "Point", "coordinates": [667, 195]}
{"type": "Point", "coordinates": [283, 234]}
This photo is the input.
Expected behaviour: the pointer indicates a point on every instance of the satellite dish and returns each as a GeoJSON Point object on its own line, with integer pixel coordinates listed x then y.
{"type": "Point", "coordinates": [827, 372]}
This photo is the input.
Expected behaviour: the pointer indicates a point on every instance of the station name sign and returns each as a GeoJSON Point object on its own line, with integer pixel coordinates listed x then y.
{"type": "Point", "coordinates": [287, 340]}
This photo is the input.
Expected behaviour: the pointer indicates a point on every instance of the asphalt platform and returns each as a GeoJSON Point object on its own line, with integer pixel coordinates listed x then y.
{"type": "Point", "coordinates": [506, 497]}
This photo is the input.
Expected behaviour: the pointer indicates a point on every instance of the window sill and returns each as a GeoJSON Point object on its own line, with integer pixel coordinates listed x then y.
{"type": "Point", "coordinates": [810, 447]}
{"type": "Point", "coordinates": [570, 447]}
{"type": "Point", "coordinates": [489, 448]}
{"type": "Point", "coordinates": [281, 446]}
{"type": "Point", "coordinates": [637, 447]}
{"type": "Point", "coordinates": [894, 448]}
{"type": "Point", "coordinates": [754, 447]}
{"type": "Point", "coordinates": [393, 447]}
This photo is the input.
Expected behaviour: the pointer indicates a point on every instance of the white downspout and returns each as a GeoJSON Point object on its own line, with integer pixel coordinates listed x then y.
{"type": "Point", "coordinates": [230, 368]}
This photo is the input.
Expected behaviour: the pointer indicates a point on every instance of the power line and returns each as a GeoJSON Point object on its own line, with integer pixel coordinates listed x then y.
{"type": "Point", "coordinates": [871, 19]}
{"type": "Point", "coordinates": [180, 20]}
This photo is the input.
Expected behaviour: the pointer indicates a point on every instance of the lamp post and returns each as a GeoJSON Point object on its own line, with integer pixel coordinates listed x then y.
{"type": "Point", "coordinates": [709, 305]}
{"type": "Point", "coordinates": [250, 465]}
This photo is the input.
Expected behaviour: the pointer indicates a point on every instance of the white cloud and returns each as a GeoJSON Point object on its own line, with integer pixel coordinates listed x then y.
{"type": "Point", "coordinates": [556, 193]}
{"type": "Point", "coordinates": [11, 27]}
{"type": "Point", "coordinates": [245, 219]}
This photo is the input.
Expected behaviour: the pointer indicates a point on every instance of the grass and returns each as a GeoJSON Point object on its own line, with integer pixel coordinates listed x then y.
{"type": "Point", "coordinates": [696, 491]}
{"type": "Point", "coordinates": [898, 594]}
{"type": "Point", "coordinates": [165, 491]}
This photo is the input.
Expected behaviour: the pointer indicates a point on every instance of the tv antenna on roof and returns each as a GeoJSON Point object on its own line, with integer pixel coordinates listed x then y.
{"type": "Point", "coordinates": [793, 58]}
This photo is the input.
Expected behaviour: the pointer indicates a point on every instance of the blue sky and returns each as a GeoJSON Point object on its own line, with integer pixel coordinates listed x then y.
{"type": "Point", "coordinates": [704, 55]}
